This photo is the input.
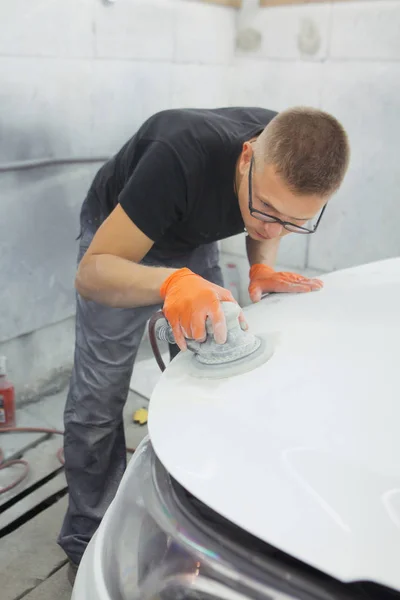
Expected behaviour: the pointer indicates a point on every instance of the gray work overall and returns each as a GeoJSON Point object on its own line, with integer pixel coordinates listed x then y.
{"type": "Point", "coordinates": [107, 341]}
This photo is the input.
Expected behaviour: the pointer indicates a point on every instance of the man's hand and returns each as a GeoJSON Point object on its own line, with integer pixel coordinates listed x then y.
{"type": "Point", "coordinates": [188, 301]}
{"type": "Point", "coordinates": [264, 279]}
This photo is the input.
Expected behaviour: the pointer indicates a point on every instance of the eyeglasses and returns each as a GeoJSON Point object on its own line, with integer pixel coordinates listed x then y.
{"type": "Point", "coordinates": [261, 216]}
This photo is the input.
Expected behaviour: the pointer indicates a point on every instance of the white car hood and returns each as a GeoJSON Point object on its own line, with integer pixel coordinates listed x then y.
{"type": "Point", "coordinates": [304, 451]}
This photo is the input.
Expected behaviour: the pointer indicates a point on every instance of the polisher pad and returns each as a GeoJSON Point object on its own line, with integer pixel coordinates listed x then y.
{"type": "Point", "coordinates": [263, 352]}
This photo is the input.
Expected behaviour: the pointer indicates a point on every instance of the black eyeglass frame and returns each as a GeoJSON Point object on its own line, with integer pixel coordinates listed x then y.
{"type": "Point", "coordinates": [253, 211]}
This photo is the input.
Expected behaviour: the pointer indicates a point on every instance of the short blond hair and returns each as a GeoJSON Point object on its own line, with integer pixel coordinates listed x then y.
{"type": "Point", "coordinates": [309, 149]}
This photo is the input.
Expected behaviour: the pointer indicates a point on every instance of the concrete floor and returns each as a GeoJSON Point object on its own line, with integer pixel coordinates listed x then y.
{"type": "Point", "coordinates": [32, 566]}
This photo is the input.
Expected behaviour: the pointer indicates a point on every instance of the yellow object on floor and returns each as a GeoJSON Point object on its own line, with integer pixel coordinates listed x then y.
{"type": "Point", "coordinates": [140, 416]}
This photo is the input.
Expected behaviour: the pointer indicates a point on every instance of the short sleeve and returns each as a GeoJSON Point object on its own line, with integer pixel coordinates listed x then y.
{"type": "Point", "coordinates": [155, 195]}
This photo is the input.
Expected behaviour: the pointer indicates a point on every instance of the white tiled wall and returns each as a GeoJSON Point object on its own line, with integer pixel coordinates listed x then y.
{"type": "Point", "coordinates": [194, 85]}
{"type": "Point", "coordinates": [77, 78]}
{"type": "Point", "coordinates": [46, 107]}
{"type": "Point", "coordinates": [203, 34]}
{"type": "Point", "coordinates": [290, 32]}
{"type": "Point", "coordinates": [129, 30]}
{"type": "Point", "coordinates": [123, 95]}
{"type": "Point", "coordinates": [274, 83]}
{"type": "Point", "coordinates": [83, 74]}
{"type": "Point", "coordinates": [362, 223]}
{"type": "Point", "coordinates": [370, 31]}
{"type": "Point", "coordinates": [46, 29]}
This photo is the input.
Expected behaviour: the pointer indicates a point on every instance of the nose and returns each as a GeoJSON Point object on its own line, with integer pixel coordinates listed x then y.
{"type": "Point", "coordinates": [273, 230]}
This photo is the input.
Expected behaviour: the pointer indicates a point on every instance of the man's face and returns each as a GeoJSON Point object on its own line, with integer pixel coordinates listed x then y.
{"type": "Point", "coordinates": [271, 196]}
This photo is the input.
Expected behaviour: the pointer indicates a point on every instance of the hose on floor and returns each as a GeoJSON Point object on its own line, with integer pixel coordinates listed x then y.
{"type": "Point", "coordinates": [9, 463]}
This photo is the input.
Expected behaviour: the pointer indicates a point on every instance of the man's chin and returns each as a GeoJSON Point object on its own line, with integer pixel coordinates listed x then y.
{"type": "Point", "coordinates": [257, 236]}
{"type": "Point", "coordinates": [263, 238]}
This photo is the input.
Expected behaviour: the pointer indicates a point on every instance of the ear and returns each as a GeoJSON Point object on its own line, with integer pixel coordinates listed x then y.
{"type": "Point", "coordinates": [245, 157]}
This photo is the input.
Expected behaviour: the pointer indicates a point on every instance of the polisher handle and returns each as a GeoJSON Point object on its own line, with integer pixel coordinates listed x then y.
{"type": "Point", "coordinates": [231, 312]}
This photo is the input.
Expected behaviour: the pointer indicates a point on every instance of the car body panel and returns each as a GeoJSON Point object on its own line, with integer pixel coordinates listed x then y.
{"type": "Point", "coordinates": [304, 451]}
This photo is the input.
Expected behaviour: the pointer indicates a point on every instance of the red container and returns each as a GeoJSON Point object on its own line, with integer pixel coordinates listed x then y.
{"type": "Point", "coordinates": [7, 398]}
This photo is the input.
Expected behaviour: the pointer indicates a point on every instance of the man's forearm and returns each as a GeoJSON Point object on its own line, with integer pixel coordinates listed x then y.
{"type": "Point", "coordinates": [262, 252]}
{"type": "Point", "coordinates": [118, 282]}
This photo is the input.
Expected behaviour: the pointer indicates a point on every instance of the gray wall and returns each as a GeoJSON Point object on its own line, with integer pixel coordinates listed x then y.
{"type": "Point", "coordinates": [78, 76]}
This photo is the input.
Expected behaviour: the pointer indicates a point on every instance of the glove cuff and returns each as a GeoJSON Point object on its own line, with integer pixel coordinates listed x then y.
{"type": "Point", "coordinates": [173, 278]}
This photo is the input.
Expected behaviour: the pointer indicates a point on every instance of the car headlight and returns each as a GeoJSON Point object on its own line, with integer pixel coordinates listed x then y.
{"type": "Point", "coordinates": [157, 552]}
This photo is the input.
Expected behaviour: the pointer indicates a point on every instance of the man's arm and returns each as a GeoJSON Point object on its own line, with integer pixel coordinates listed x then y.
{"type": "Point", "coordinates": [262, 252]}
{"type": "Point", "coordinates": [109, 272]}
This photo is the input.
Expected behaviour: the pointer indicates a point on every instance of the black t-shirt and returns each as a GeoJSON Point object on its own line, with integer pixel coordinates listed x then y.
{"type": "Point", "coordinates": [175, 177]}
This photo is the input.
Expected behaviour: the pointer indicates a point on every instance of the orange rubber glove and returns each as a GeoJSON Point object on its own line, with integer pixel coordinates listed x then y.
{"type": "Point", "coordinates": [264, 279]}
{"type": "Point", "coordinates": [188, 301]}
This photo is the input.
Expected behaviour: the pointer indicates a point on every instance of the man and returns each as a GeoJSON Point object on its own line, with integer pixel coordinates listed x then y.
{"type": "Point", "coordinates": [149, 230]}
